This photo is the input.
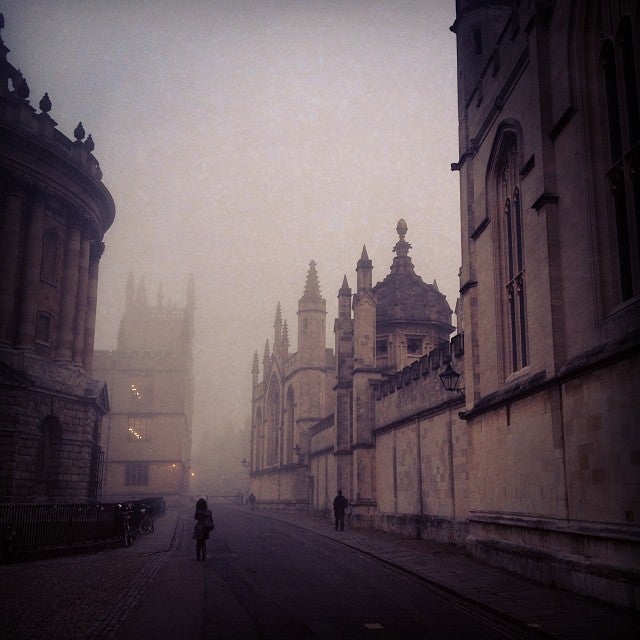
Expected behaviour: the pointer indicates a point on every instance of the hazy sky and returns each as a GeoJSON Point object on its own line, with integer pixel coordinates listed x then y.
{"type": "Point", "coordinates": [242, 139]}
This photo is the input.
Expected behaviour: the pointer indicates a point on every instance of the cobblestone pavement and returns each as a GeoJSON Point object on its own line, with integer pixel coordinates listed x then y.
{"type": "Point", "coordinates": [85, 596]}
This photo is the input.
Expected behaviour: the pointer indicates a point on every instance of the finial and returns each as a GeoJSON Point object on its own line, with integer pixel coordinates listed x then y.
{"type": "Point", "coordinates": [89, 143]}
{"type": "Point", "coordinates": [79, 132]}
{"type": "Point", "coordinates": [45, 103]}
{"type": "Point", "coordinates": [20, 85]}
{"type": "Point", "coordinates": [402, 228]}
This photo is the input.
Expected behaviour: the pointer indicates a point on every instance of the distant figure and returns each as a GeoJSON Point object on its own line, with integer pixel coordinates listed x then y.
{"type": "Point", "coordinates": [204, 524]}
{"type": "Point", "coordinates": [340, 504]}
{"type": "Point", "coordinates": [252, 501]}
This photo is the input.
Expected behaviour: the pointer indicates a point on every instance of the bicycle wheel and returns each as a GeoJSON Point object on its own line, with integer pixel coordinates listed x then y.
{"type": "Point", "coordinates": [146, 526]}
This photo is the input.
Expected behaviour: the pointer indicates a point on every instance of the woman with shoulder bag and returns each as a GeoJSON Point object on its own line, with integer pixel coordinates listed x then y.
{"type": "Point", "coordinates": [204, 524]}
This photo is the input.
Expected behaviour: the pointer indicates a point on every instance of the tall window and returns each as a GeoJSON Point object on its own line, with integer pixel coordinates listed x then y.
{"type": "Point", "coordinates": [49, 264]}
{"type": "Point", "coordinates": [619, 80]}
{"type": "Point", "coordinates": [136, 474]}
{"type": "Point", "coordinates": [139, 429]}
{"type": "Point", "coordinates": [47, 453]}
{"type": "Point", "coordinates": [513, 254]}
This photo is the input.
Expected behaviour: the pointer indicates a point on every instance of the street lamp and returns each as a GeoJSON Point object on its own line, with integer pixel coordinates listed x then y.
{"type": "Point", "coordinates": [450, 379]}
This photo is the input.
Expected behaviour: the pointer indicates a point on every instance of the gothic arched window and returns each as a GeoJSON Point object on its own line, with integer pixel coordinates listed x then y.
{"type": "Point", "coordinates": [511, 241]}
{"type": "Point", "coordinates": [619, 82]}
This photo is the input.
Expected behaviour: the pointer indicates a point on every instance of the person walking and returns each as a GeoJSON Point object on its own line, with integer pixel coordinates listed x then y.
{"type": "Point", "coordinates": [204, 524]}
{"type": "Point", "coordinates": [340, 504]}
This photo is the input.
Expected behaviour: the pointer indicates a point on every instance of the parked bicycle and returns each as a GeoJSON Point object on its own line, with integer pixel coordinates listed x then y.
{"type": "Point", "coordinates": [125, 510]}
{"type": "Point", "coordinates": [146, 523]}
{"type": "Point", "coordinates": [11, 544]}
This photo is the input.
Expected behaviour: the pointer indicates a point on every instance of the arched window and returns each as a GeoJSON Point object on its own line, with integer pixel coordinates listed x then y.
{"type": "Point", "coordinates": [619, 83]}
{"type": "Point", "coordinates": [49, 264]}
{"type": "Point", "coordinates": [511, 229]}
{"type": "Point", "coordinates": [289, 419]}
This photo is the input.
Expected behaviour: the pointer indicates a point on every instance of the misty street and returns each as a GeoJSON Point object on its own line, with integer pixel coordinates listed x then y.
{"type": "Point", "coordinates": [265, 578]}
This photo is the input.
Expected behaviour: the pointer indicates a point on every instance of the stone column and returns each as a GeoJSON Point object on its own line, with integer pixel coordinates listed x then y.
{"type": "Point", "coordinates": [30, 281]}
{"type": "Point", "coordinates": [69, 294]}
{"type": "Point", "coordinates": [81, 301]}
{"type": "Point", "coordinates": [97, 249]}
{"type": "Point", "coordinates": [9, 248]}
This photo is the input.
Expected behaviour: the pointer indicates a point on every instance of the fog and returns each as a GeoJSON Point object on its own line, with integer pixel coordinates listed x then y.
{"type": "Point", "coordinates": [242, 139]}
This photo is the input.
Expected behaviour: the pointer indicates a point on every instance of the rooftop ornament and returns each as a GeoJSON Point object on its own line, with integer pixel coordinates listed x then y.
{"type": "Point", "coordinates": [79, 132]}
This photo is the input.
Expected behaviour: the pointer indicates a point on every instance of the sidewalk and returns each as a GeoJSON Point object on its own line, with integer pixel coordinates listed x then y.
{"type": "Point", "coordinates": [551, 612]}
{"type": "Point", "coordinates": [82, 596]}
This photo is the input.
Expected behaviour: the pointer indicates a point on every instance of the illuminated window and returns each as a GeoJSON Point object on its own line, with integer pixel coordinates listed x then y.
{"type": "Point", "coordinates": [136, 392]}
{"type": "Point", "coordinates": [136, 474]}
{"type": "Point", "coordinates": [139, 429]}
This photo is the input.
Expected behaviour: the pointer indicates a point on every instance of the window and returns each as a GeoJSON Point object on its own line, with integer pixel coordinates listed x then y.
{"type": "Point", "coordinates": [49, 264]}
{"type": "Point", "coordinates": [414, 346]}
{"type": "Point", "coordinates": [139, 429]}
{"type": "Point", "coordinates": [619, 80]}
{"type": "Point", "coordinates": [44, 324]}
{"type": "Point", "coordinates": [136, 474]}
{"type": "Point", "coordinates": [513, 255]}
{"type": "Point", "coordinates": [382, 347]}
{"type": "Point", "coordinates": [49, 437]}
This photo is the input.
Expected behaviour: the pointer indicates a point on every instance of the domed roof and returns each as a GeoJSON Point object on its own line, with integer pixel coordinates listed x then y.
{"type": "Point", "coordinates": [403, 296]}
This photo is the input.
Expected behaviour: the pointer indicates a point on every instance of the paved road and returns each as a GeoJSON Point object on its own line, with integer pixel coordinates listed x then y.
{"type": "Point", "coordinates": [157, 590]}
{"type": "Point", "coordinates": [268, 579]}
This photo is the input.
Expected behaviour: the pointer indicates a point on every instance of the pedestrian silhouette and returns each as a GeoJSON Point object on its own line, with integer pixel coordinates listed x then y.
{"type": "Point", "coordinates": [340, 504]}
{"type": "Point", "coordinates": [204, 524]}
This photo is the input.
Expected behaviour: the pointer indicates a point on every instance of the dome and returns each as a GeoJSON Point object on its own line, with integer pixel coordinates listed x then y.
{"type": "Point", "coordinates": [403, 296]}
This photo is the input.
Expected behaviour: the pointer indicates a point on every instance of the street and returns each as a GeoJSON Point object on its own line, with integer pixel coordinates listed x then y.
{"type": "Point", "coordinates": [265, 578]}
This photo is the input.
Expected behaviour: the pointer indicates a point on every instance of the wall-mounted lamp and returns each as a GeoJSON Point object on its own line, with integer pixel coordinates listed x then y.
{"type": "Point", "coordinates": [244, 463]}
{"type": "Point", "coordinates": [450, 379]}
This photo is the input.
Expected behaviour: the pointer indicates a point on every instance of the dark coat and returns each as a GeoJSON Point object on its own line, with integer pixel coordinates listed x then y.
{"type": "Point", "coordinates": [340, 503]}
{"type": "Point", "coordinates": [200, 515]}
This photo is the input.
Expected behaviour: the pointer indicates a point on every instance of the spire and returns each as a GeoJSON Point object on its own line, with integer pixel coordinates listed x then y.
{"type": "Point", "coordinates": [191, 293]}
{"type": "Point", "coordinates": [312, 284]}
{"type": "Point", "coordinates": [141, 293]}
{"type": "Point", "coordinates": [344, 300]}
{"type": "Point", "coordinates": [402, 262]}
{"type": "Point", "coordinates": [128, 292]}
{"type": "Point", "coordinates": [285, 338]}
{"type": "Point", "coordinates": [277, 325]}
{"type": "Point", "coordinates": [255, 368]}
{"type": "Point", "coordinates": [266, 356]}
{"type": "Point", "coordinates": [364, 270]}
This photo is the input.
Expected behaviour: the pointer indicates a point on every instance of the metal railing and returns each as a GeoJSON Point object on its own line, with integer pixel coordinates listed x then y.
{"type": "Point", "coordinates": [35, 527]}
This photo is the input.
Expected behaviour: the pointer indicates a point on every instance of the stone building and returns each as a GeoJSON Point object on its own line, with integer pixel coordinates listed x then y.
{"type": "Point", "coordinates": [320, 421]}
{"type": "Point", "coordinates": [147, 434]}
{"type": "Point", "coordinates": [550, 288]}
{"type": "Point", "coordinates": [532, 460]}
{"type": "Point", "coordinates": [54, 213]}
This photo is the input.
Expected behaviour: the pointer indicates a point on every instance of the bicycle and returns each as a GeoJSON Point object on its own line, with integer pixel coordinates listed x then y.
{"type": "Point", "coordinates": [146, 524]}
{"type": "Point", "coordinates": [11, 544]}
{"type": "Point", "coordinates": [126, 525]}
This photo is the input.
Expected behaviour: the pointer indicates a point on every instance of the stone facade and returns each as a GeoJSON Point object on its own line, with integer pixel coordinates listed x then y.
{"type": "Point", "coordinates": [53, 216]}
{"type": "Point", "coordinates": [535, 463]}
{"type": "Point", "coordinates": [147, 434]}
{"type": "Point", "coordinates": [345, 414]}
{"type": "Point", "coordinates": [550, 284]}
